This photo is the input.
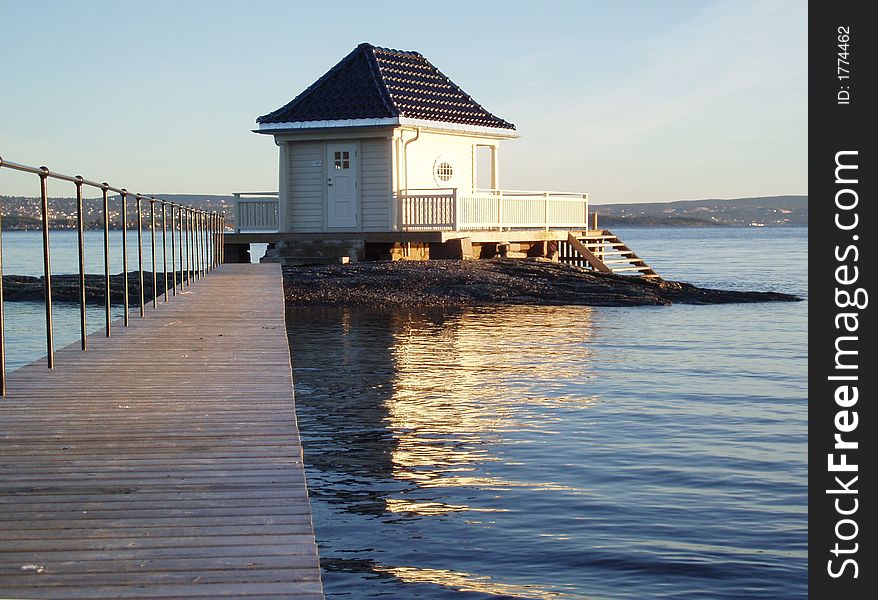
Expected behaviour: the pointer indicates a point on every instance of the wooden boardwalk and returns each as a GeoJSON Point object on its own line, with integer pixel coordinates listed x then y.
{"type": "Point", "coordinates": [165, 461]}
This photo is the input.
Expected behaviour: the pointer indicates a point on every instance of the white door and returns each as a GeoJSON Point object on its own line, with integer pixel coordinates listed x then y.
{"type": "Point", "coordinates": [341, 185]}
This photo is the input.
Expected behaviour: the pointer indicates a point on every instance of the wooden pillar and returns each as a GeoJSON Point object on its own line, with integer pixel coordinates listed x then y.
{"type": "Point", "coordinates": [495, 168]}
{"type": "Point", "coordinates": [283, 198]}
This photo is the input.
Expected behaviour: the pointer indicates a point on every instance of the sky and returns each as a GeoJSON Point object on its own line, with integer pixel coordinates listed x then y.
{"type": "Point", "coordinates": [629, 100]}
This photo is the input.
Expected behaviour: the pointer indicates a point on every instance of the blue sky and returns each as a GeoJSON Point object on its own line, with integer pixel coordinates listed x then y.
{"type": "Point", "coordinates": [646, 100]}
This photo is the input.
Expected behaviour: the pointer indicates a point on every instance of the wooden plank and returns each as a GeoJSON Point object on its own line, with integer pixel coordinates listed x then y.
{"type": "Point", "coordinates": [165, 461]}
{"type": "Point", "coordinates": [587, 254]}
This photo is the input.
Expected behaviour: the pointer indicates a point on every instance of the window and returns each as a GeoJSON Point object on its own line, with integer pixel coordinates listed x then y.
{"type": "Point", "coordinates": [342, 160]}
{"type": "Point", "coordinates": [444, 171]}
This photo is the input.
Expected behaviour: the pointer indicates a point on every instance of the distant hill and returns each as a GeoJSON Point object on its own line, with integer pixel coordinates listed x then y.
{"type": "Point", "coordinates": [23, 212]}
{"type": "Point", "coordinates": [771, 211]}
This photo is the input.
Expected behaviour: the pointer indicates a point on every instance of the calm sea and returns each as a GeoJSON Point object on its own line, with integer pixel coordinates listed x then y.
{"type": "Point", "coordinates": [567, 452]}
{"type": "Point", "coordinates": [550, 452]}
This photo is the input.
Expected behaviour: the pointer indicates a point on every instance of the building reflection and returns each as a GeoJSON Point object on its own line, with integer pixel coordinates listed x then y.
{"type": "Point", "coordinates": [404, 414]}
{"type": "Point", "coordinates": [449, 413]}
{"type": "Point", "coordinates": [417, 398]}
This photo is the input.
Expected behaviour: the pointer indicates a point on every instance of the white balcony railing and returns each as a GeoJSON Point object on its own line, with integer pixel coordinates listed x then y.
{"type": "Point", "coordinates": [256, 211]}
{"type": "Point", "coordinates": [445, 209]}
{"type": "Point", "coordinates": [448, 209]}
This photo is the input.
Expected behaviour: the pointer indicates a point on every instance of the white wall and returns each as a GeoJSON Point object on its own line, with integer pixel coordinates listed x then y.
{"type": "Point", "coordinates": [375, 184]}
{"type": "Point", "coordinates": [303, 202]}
{"type": "Point", "coordinates": [305, 186]}
{"type": "Point", "coordinates": [385, 165]}
{"type": "Point", "coordinates": [421, 156]}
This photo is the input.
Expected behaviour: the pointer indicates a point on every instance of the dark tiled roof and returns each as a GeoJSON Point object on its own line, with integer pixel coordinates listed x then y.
{"type": "Point", "coordinates": [373, 83]}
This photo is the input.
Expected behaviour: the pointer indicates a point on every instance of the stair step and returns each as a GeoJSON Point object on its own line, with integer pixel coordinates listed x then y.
{"type": "Point", "coordinates": [603, 250]}
{"type": "Point", "coordinates": [630, 261]}
{"type": "Point", "coordinates": [618, 245]}
{"type": "Point", "coordinates": [612, 252]}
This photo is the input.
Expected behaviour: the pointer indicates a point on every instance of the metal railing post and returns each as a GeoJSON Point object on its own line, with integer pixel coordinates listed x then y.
{"type": "Point", "coordinates": [205, 249]}
{"type": "Point", "coordinates": [211, 219]}
{"type": "Point", "coordinates": [155, 280]}
{"type": "Point", "coordinates": [199, 244]}
{"type": "Point", "coordinates": [2, 316]}
{"type": "Point", "coordinates": [185, 218]}
{"type": "Point", "coordinates": [202, 243]}
{"type": "Point", "coordinates": [223, 238]}
{"type": "Point", "coordinates": [184, 212]}
{"type": "Point", "coordinates": [195, 271]}
{"type": "Point", "coordinates": [165, 248]}
{"type": "Point", "coordinates": [174, 248]}
{"type": "Point", "coordinates": [205, 223]}
{"type": "Point", "coordinates": [80, 251]}
{"type": "Point", "coordinates": [47, 264]}
{"type": "Point", "coordinates": [124, 194]}
{"type": "Point", "coordinates": [105, 187]}
{"type": "Point", "coordinates": [180, 242]}
{"type": "Point", "coordinates": [140, 253]}
{"type": "Point", "coordinates": [194, 240]}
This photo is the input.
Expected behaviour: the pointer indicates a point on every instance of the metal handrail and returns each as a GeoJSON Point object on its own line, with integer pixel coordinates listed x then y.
{"type": "Point", "coordinates": [212, 226]}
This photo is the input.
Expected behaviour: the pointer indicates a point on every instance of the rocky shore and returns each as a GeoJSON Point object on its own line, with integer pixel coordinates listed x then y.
{"type": "Point", "coordinates": [491, 282]}
{"type": "Point", "coordinates": [65, 288]}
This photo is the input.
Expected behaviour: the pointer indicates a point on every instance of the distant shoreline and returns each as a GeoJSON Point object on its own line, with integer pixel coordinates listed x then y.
{"type": "Point", "coordinates": [608, 222]}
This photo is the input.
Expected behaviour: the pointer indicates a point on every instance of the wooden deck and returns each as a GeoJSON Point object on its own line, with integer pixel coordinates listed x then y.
{"type": "Point", "coordinates": [165, 461]}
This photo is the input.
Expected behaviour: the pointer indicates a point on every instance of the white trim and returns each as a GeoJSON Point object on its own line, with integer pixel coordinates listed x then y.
{"type": "Point", "coordinates": [283, 205]}
{"type": "Point", "coordinates": [394, 121]}
{"type": "Point", "coordinates": [327, 124]}
{"type": "Point", "coordinates": [442, 126]}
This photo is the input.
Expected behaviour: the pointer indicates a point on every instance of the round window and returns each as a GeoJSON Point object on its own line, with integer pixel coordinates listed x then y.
{"type": "Point", "coordinates": [443, 171]}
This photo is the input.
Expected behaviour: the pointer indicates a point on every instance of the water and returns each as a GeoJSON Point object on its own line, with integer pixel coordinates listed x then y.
{"type": "Point", "coordinates": [552, 452]}
{"type": "Point", "coordinates": [23, 255]}
{"type": "Point", "coordinates": [555, 452]}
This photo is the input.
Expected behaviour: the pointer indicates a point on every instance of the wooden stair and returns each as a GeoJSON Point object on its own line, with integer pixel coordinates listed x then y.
{"type": "Point", "coordinates": [606, 253]}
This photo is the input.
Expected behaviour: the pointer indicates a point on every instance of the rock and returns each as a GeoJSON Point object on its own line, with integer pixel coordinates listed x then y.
{"type": "Point", "coordinates": [490, 282]}
{"type": "Point", "coordinates": [65, 288]}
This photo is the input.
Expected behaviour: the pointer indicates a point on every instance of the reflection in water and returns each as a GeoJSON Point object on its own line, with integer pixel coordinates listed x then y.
{"type": "Point", "coordinates": [385, 422]}
{"type": "Point", "coordinates": [447, 415]}
{"type": "Point", "coordinates": [466, 582]}
{"type": "Point", "coordinates": [541, 452]}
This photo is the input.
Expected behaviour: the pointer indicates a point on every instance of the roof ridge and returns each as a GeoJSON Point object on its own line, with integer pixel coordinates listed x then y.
{"type": "Point", "coordinates": [378, 77]}
{"type": "Point", "coordinates": [393, 50]}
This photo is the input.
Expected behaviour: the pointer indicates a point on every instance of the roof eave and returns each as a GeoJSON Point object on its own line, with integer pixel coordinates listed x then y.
{"type": "Point", "coordinates": [441, 126]}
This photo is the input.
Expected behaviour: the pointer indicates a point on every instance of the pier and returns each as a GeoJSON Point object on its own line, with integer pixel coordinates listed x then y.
{"type": "Point", "coordinates": [164, 461]}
